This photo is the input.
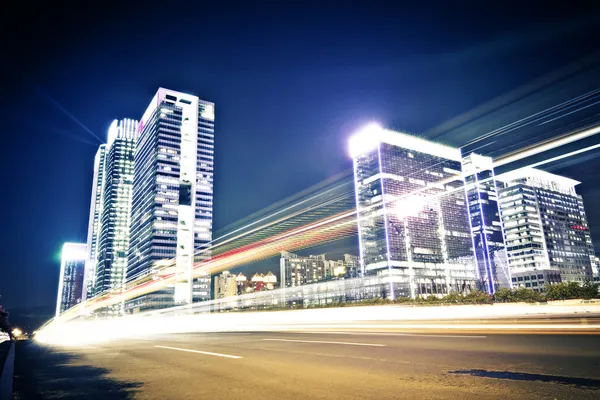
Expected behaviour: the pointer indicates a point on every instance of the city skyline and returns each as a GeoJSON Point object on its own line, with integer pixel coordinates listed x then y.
{"type": "Point", "coordinates": [285, 115]}
{"type": "Point", "coordinates": [343, 200]}
{"type": "Point", "coordinates": [421, 225]}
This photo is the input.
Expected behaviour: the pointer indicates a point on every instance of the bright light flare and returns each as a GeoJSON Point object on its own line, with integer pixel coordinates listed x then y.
{"type": "Point", "coordinates": [365, 139]}
{"type": "Point", "coordinates": [17, 332]}
{"type": "Point", "coordinates": [81, 333]}
{"type": "Point", "coordinates": [409, 207]}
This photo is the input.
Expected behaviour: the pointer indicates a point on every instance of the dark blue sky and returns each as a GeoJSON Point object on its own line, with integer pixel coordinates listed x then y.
{"type": "Point", "coordinates": [290, 83]}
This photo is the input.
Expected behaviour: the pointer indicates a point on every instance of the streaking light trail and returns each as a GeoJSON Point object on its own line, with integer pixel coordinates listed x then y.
{"type": "Point", "coordinates": [324, 230]}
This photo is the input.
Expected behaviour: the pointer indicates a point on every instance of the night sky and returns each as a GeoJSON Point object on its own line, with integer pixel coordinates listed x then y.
{"type": "Point", "coordinates": [290, 84]}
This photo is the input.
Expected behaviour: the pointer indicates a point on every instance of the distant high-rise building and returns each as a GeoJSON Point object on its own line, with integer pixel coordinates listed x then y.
{"type": "Point", "coordinates": [546, 230]}
{"type": "Point", "coordinates": [413, 230]}
{"type": "Point", "coordinates": [486, 227]}
{"type": "Point", "coordinates": [352, 265]}
{"type": "Point", "coordinates": [225, 285]}
{"type": "Point", "coordinates": [113, 243]}
{"type": "Point", "coordinates": [72, 269]}
{"type": "Point", "coordinates": [349, 267]}
{"type": "Point", "coordinates": [297, 270]}
{"type": "Point", "coordinates": [94, 221]}
{"type": "Point", "coordinates": [335, 269]}
{"type": "Point", "coordinates": [171, 220]}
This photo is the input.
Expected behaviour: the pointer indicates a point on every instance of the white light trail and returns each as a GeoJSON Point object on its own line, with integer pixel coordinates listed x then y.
{"type": "Point", "coordinates": [370, 318]}
{"type": "Point", "coordinates": [548, 145]}
{"type": "Point", "coordinates": [326, 229]}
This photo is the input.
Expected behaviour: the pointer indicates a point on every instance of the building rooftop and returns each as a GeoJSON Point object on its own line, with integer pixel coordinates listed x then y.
{"type": "Point", "coordinates": [369, 137]}
{"type": "Point", "coordinates": [534, 173]}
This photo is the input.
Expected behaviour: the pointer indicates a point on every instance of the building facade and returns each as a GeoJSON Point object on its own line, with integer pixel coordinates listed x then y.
{"type": "Point", "coordinates": [225, 285]}
{"type": "Point", "coordinates": [296, 270]}
{"type": "Point", "coordinates": [171, 220]}
{"type": "Point", "coordinates": [113, 241]}
{"type": "Point", "coordinates": [486, 226]}
{"type": "Point", "coordinates": [413, 229]}
{"type": "Point", "coordinates": [545, 227]}
{"type": "Point", "coordinates": [94, 221]}
{"type": "Point", "coordinates": [72, 270]}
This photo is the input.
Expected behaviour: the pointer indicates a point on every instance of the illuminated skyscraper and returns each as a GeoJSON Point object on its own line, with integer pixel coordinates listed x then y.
{"type": "Point", "coordinates": [94, 221]}
{"type": "Point", "coordinates": [116, 209]}
{"type": "Point", "coordinates": [70, 281]}
{"type": "Point", "coordinates": [413, 230]}
{"type": "Point", "coordinates": [486, 227]}
{"type": "Point", "coordinates": [172, 196]}
{"type": "Point", "coordinates": [546, 230]}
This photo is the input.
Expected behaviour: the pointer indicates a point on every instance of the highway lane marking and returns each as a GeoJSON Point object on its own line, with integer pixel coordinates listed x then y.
{"type": "Point", "coordinates": [326, 342]}
{"type": "Point", "coordinates": [400, 334]}
{"type": "Point", "coordinates": [198, 352]}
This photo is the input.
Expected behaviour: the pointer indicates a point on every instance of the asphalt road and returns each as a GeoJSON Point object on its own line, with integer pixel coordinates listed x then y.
{"type": "Point", "coordinates": [303, 366]}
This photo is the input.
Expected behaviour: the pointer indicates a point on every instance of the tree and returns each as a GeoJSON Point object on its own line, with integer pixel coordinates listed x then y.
{"type": "Point", "coordinates": [453, 297]}
{"type": "Point", "coordinates": [556, 291]}
{"type": "Point", "coordinates": [478, 297]}
{"type": "Point", "coordinates": [503, 295]}
{"type": "Point", "coordinates": [527, 295]}
{"type": "Point", "coordinates": [4, 324]}
{"type": "Point", "coordinates": [574, 290]}
{"type": "Point", "coordinates": [571, 290]}
{"type": "Point", "coordinates": [589, 290]}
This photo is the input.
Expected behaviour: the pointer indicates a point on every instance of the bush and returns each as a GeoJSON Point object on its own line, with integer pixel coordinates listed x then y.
{"type": "Point", "coordinates": [504, 295]}
{"type": "Point", "coordinates": [478, 297]}
{"type": "Point", "coordinates": [403, 300]}
{"type": "Point", "coordinates": [453, 297]}
{"type": "Point", "coordinates": [572, 290]}
{"type": "Point", "coordinates": [589, 290]}
{"type": "Point", "coordinates": [527, 295]}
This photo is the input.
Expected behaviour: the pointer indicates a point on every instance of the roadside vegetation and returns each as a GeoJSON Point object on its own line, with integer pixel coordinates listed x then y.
{"type": "Point", "coordinates": [560, 291]}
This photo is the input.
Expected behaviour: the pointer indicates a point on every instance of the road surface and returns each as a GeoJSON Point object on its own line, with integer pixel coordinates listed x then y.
{"type": "Point", "coordinates": [351, 365]}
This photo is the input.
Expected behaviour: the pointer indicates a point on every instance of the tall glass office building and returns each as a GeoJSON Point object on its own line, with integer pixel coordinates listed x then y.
{"type": "Point", "coordinates": [171, 220]}
{"type": "Point", "coordinates": [486, 226]}
{"type": "Point", "coordinates": [413, 230]}
{"type": "Point", "coordinates": [94, 221]}
{"type": "Point", "coordinates": [70, 283]}
{"type": "Point", "coordinates": [546, 230]}
{"type": "Point", "coordinates": [116, 208]}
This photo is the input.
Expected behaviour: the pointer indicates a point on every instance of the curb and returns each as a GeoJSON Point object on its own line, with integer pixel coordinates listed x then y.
{"type": "Point", "coordinates": [6, 380]}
